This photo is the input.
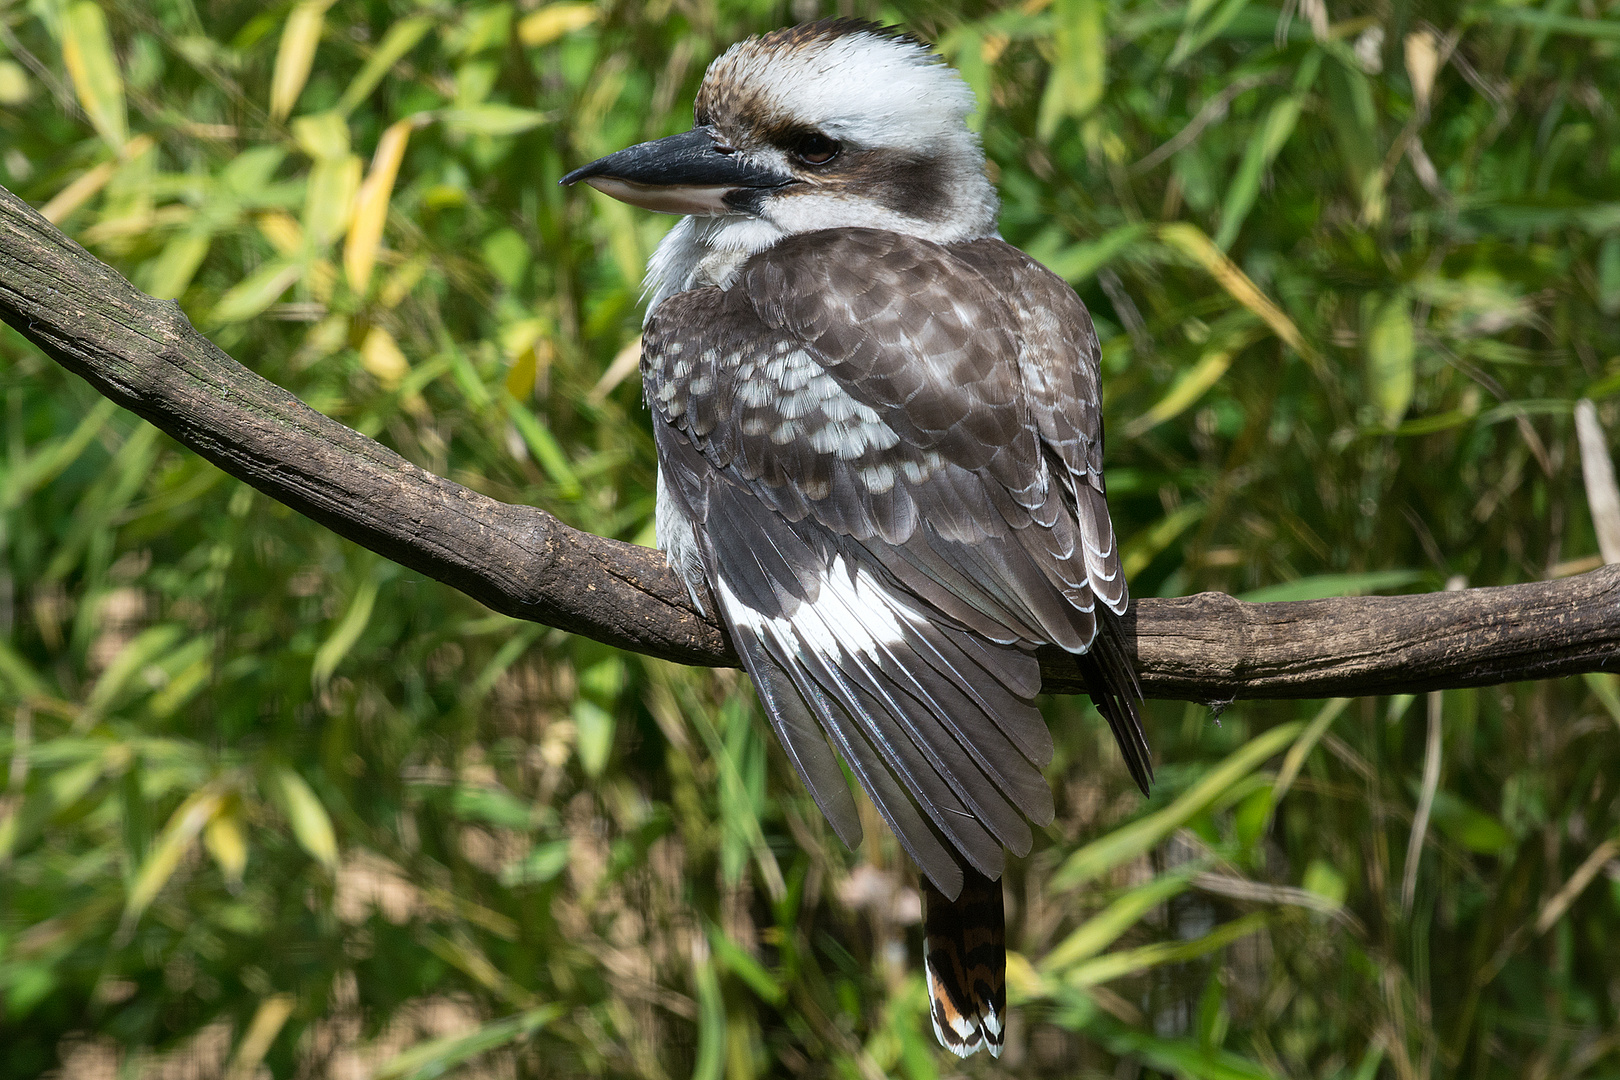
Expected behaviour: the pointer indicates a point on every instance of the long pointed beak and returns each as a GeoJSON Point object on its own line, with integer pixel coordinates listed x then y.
{"type": "Point", "coordinates": [690, 173]}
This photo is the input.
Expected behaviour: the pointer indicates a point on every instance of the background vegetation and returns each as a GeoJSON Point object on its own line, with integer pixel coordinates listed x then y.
{"type": "Point", "coordinates": [271, 804]}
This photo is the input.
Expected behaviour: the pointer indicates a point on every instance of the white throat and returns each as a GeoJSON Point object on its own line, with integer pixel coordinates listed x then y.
{"type": "Point", "coordinates": [701, 251]}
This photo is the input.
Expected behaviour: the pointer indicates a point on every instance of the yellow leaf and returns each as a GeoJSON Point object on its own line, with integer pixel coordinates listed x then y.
{"type": "Point", "coordinates": [1024, 983]}
{"type": "Point", "coordinates": [402, 281]}
{"type": "Point", "coordinates": [551, 22]}
{"type": "Point", "coordinates": [85, 187]}
{"type": "Point", "coordinates": [380, 354]}
{"type": "Point", "coordinates": [371, 205]}
{"type": "Point", "coordinates": [1191, 241]}
{"type": "Point", "coordinates": [184, 825]}
{"type": "Point", "coordinates": [1192, 384]}
{"type": "Point", "coordinates": [14, 88]}
{"type": "Point", "coordinates": [324, 135]}
{"type": "Point", "coordinates": [284, 234]}
{"type": "Point", "coordinates": [268, 1020]}
{"type": "Point", "coordinates": [625, 364]}
{"type": "Point", "coordinates": [520, 379]}
{"type": "Point", "coordinates": [80, 191]}
{"type": "Point", "coordinates": [87, 53]}
{"type": "Point", "coordinates": [296, 55]}
{"type": "Point", "coordinates": [225, 841]}
{"type": "Point", "coordinates": [310, 825]}
{"type": "Point", "coordinates": [1422, 63]}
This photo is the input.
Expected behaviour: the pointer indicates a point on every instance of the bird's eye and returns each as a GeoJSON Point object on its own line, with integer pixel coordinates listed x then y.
{"type": "Point", "coordinates": [814, 148]}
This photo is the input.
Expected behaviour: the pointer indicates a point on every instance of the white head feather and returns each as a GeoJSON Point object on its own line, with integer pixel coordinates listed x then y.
{"type": "Point", "coordinates": [910, 163]}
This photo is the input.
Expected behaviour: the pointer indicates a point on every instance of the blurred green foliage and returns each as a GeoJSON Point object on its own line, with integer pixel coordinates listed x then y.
{"type": "Point", "coordinates": [271, 803]}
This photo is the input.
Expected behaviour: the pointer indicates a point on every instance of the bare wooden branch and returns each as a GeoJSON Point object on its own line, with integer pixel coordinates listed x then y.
{"type": "Point", "coordinates": [145, 355]}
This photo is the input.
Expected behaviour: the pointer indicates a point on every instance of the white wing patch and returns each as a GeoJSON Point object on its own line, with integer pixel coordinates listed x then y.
{"type": "Point", "coordinates": [850, 612]}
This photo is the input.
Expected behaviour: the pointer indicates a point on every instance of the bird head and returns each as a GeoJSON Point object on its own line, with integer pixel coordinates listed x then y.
{"type": "Point", "coordinates": [833, 124]}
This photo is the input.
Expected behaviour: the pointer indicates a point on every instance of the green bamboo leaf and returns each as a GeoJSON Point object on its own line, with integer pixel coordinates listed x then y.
{"type": "Point", "coordinates": [1539, 19]}
{"type": "Point", "coordinates": [539, 866]}
{"type": "Point", "coordinates": [1608, 276]}
{"type": "Point", "coordinates": [711, 1057]}
{"type": "Point", "coordinates": [400, 39]}
{"type": "Point", "coordinates": [17, 674]}
{"type": "Point", "coordinates": [87, 53]}
{"type": "Point", "coordinates": [93, 518]}
{"type": "Point", "coordinates": [545, 448]}
{"type": "Point", "coordinates": [257, 291]}
{"type": "Point", "coordinates": [330, 198]}
{"type": "Point", "coordinates": [46, 463]}
{"type": "Point", "coordinates": [437, 1057]}
{"type": "Point", "coordinates": [167, 276]}
{"type": "Point", "coordinates": [1606, 688]}
{"type": "Point", "coordinates": [1322, 879]}
{"type": "Point", "coordinates": [1391, 348]}
{"type": "Point", "coordinates": [1294, 760]}
{"type": "Point", "coordinates": [1144, 548]}
{"type": "Point", "coordinates": [310, 824]}
{"type": "Point", "coordinates": [1079, 70]}
{"type": "Point", "coordinates": [492, 119]}
{"type": "Point", "coordinates": [1187, 1058]}
{"type": "Point", "coordinates": [735, 959]}
{"type": "Point", "coordinates": [1470, 826]}
{"type": "Point", "coordinates": [1078, 264]}
{"type": "Point", "coordinates": [1193, 37]}
{"type": "Point", "coordinates": [1322, 586]}
{"type": "Point", "coordinates": [1111, 966]}
{"type": "Point", "coordinates": [143, 649]}
{"type": "Point", "coordinates": [1142, 835]}
{"type": "Point", "coordinates": [345, 633]}
{"type": "Point", "coordinates": [963, 48]}
{"type": "Point", "coordinates": [1103, 928]}
{"type": "Point", "coordinates": [595, 726]}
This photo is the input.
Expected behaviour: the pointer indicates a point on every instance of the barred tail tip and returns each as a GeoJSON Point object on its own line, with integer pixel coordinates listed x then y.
{"type": "Point", "coordinates": [962, 1034]}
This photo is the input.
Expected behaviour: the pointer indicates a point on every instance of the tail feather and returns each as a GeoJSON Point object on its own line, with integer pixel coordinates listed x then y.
{"type": "Point", "coordinates": [1111, 681]}
{"type": "Point", "coordinates": [966, 959]}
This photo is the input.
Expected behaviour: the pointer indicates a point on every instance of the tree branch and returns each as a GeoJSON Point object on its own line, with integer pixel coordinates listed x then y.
{"type": "Point", "coordinates": [145, 355]}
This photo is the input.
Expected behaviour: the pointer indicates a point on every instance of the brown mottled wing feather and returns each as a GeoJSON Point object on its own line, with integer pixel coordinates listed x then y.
{"type": "Point", "coordinates": [894, 487]}
{"type": "Point", "coordinates": [1056, 332]}
{"type": "Point", "coordinates": [965, 952]}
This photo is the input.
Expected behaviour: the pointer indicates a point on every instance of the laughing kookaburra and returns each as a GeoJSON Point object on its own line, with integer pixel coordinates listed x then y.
{"type": "Point", "coordinates": [879, 437]}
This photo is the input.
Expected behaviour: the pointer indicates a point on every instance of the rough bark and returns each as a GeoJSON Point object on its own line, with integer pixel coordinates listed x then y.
{"type": "Point", "coordinates": [146, 356]}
